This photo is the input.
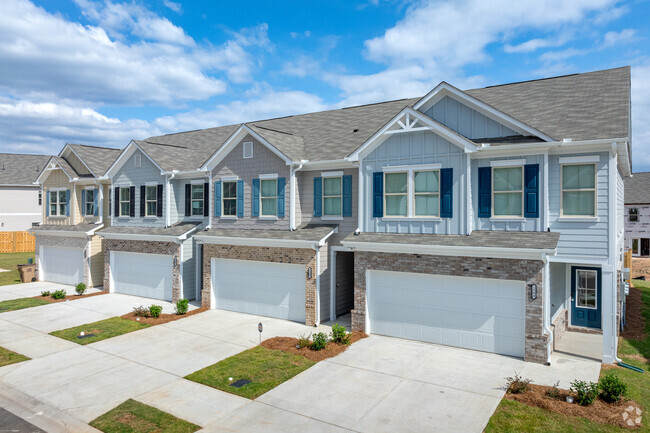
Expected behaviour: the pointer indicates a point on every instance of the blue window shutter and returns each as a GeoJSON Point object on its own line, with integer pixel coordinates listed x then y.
{"type": "Point", "coordinates": [67, 202]}
{"type": "Point", "coordinates": [531, 191]}
{"type": "Point", "coordinates": [318, 196]}
{"type": "Point", "coordinates": [47, 203]}
{"type": "Point", "coordinates": [347, 196]}
{"type": "Point", "coordinates": [240, 198]}
{"type": "Point", "coordinates": [96, 202]}
{"type": "Point", "coordinates": [281, 187]}
{"type": "Point", "coordinates": [255, 208]}
{"type": "Point", "coordinates": [217, 199]}
{"type": "Point", "coordinates": [446, 192]}
{"type": "Point", "coordinates": [484, 192]}
{"type": "Point", "coordinates": [83, 202]}
{"type": "Point", "coordinates": [378, 194]}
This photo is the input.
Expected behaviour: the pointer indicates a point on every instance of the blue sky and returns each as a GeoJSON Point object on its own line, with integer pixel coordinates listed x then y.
{"type": "Point", "coordinates": [104, 72]}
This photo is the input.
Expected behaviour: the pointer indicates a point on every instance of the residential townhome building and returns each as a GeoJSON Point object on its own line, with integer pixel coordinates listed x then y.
{"type": "Point", "coordinates": [68, 250]}
{"type": "Point", "coordinates": [637, 214]}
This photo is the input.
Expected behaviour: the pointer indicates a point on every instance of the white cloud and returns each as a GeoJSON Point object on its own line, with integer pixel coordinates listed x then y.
{"type": "Point", "coordinates": [176, 7]}
{"type": "Point", "coordinates": [301, 67]}
{"type": "Point", "coordinates": [618, 38]}
{"type": "Point", "coordinates": [556, 56]}
{"type": "Point", "coordinates": [537, 43]}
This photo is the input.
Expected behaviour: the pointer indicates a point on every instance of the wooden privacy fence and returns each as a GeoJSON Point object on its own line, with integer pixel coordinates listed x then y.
{"type": "Point", "coordinates": [17, 242]}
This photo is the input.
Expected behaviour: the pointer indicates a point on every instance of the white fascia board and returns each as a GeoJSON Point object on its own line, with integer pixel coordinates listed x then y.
{"type": "Point", "coordinates": [67, 146]}
{"type": "Point", "coordinates": [187, 234]}
{"type": "Point", "coordinates": [324, 239]}
{"type": "Point", "coordinates": [92, 232]}
{"type": "Point", "coordinates": [60, 233]}
{"type": "Point", "coordinates": [125, 155]}
{"type": "Point", "coordinates": [553, 148]}
{"type": "Point", "coordinates": [138, 237]}
{"type": "Point", "coordinates": [45, 172]}
{"type": "Point", "coordinates": [445, 89]}
{"type": "Point", "coordinates": [257, 242]}
{"type": "Point", "coordinates": [446, 250]}
{"type": "Point", "coordinates": [35, 185]}
{"type": "Point", "coordinates": [580, 260]}
{"type": "Point", "coordinates": [507, 162]}
{"type": "Point", "coordinates": [328, 165]}
{"type": "Point", "coordinates": [579, 159]}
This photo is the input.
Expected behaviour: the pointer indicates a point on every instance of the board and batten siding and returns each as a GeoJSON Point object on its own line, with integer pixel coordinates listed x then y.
{"type": "Point", "coordinates": [416, 148]}
{"type": "Point", "coordinates": [130, 175]}
{"type": "Point", "coordinates": [19, 208]}
{"type": "Point", "coordinates": [58, 179]}
{"type": "Point", "coordinates": [263, 162]}
{"type": "Point", "coordinates": [305, 211]}
{"type": "Point", "coordinates": [466, 121]}
{"type": "Point", "coordinates": [177, 209]}
{"type": "Point", "coordinates": [189, 269]}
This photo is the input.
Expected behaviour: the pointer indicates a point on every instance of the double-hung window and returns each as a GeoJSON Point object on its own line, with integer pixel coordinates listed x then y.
{"type": "Point", "coordinates": [633, 215]}
{"type": "Point", "coordinates": [396, 194]}
{"type": "Point", "coordinates": [268, 197]}
{"type": "Point", "coordinates": [90, 202]}
{"type": "Point", "coordinates": [197, 199]}
{"type": "Point", "coordinates": [229, 198]}
{"type": "Point", "coordinates": [412, 193]}
{"type": "Point", "coordinates": [579, 190]}
{"type": "Point", "coordinates": [427, 193]}
{"type": "Point", "coordinates": [57, 203]}
{"type": "Point", "coordinates": [151, 200]}
{"type": "Point", "coordinates": [332, 196]}
{"type": "Point", "coordinates": [125, 201]}
{"type": "Point", "coordinates": [508, 191]}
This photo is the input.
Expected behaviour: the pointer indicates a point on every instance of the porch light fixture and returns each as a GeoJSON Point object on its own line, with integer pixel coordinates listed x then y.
{"type": "Point", "coordinates": [309, 273]}
{"type": "Point", "coordinates": [533, 291]}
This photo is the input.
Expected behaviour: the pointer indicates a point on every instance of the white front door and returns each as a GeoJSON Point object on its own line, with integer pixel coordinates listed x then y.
{"type": "Point", "coordinates": [62, 265]}
{"type": "Point", "coordinates": [473, 313]}
{"type": "Point", "coordinates": [262, 288]}
{"type": "Point", "coordinates": [141, 274]}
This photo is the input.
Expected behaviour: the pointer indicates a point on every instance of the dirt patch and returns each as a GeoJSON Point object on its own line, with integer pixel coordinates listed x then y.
{"type": "Point", "coordinates": [634, 318]}
{"type": "Point", "coordinates": [601, 412]}
{"type": "Point", "coordinates": [288, 344]}
{"type": "Point", "coordinates": [640, 267]}
{"type": "Point", "coordinates": [164, 317]}
{"type": "Point", "coordinates": [68, 297]}
{"type": "Point", "coordinates": [137, 423]}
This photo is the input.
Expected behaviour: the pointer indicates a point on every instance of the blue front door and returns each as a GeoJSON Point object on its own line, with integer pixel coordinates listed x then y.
{"type": "Point", "coordinates": [585, 296]}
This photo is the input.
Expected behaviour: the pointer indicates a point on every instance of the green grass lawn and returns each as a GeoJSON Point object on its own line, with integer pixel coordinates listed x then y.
{"type": "Point", "coordinates": [103, 329]}
{"type": "Point", "coordinates": [265, 368]}
{"type": "Point", "coordinates": [512, 416]}
{"type": "Point", "coordinates": [9, 261]}
{"type": "Point", "coordinates": [8, 357]}
{"type": "Point", "coordinates": [19, 304]}
{"type": "Point", "coordinates": [135, 417]}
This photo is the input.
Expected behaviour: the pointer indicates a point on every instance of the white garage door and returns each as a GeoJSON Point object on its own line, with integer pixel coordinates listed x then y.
{"type": "Point", "coordinates": [474, 313]}
{"type": "Point", "coordinates": [62, 265]}
{"type": "Point", "coordinates": [263, 288]}
{"type": "Point", "coordinates": [139, 274]}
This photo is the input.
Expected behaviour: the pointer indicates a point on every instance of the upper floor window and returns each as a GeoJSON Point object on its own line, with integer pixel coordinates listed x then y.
{"type": "Point", "coordinates": [151, 201]}
{"type": "Point", "coordinates": [508, 191]}
{"type": "Point", "coordinates": [427, 193]}
{"type": "Point", "coordinates": [578, 190]}
{"type": "Point", "coordinates": [89, 204]}
{"type": "Point", "coordinates": [58, 203]}
{"type": "Point", "coordinates": [125, 201]}
{"type": "Point", "coordinates": [248, 149]}
{"type": "Point", "coordinates": [396, 194]}
{"type": "Point", "coordinates": [197, 199]}
{"type": "Point", "coordinates": [229, 198]}
{"type": "Point", "coordinates": [332, 196]}
{"type": "Point", "coordinates": [269, 197]}
{"type": "Point", "coordinates": [633, 214]}
{"type": "Point", "coordinates": [414, 193]}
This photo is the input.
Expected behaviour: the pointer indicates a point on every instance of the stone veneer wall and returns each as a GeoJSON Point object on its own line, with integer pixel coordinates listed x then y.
{"type": "Point", "coordinates": [530, 271]}
{"type": "Point", "coordinates": [69, 242]}
{"type": "Point", "coordinates": [302, 256]}
{"type": "Point", "coordinates": [149, 247]}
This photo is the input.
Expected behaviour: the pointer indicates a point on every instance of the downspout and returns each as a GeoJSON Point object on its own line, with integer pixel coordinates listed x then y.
{"type": "Point", "coordinates": [546, 310]}
{"type": "Point", "coordinates": [100, 201]}
{"type": "Point", "coordinates": [168, 194]}
{"type": "Point", "coordinates": [611, 218]}
{"type": "Point", "coordinates": [361, 211]}
{"type": "Point", "coordinates": [292, 195]}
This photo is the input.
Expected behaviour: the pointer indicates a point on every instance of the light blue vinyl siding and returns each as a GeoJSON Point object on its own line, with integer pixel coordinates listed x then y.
{"type": "Point", "coordinates": [178, 201]}
{"type": "Point", "coordinates": [557, 273]}
{"type": "Point", "coordinates": [417, 148]}
{"type": "Point", "coordinates": [466, 121]}
{"type": "Point", "coordinates": [129, 174]}
{"type": "Point", "coordinates": [189, 269]}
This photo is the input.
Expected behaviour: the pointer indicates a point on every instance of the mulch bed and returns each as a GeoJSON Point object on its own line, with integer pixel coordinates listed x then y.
{"type": "Point", "coordinates": [599, 411]}
{"type": "Point", "coordinates": [634, 318]}
{"type": "Point", "coordinates": [164, 317]}
{"type": "Point", "coordinates": [68, 297]}
{"type": "Point", "coordinates": [288, 344]}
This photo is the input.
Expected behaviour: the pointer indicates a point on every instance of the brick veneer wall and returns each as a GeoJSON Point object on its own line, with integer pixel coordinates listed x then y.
{"type": "Point", "coordinates": [530, 271]}
{"type": "Point", "coordinates": [69, 242]}
{"type": "Point", "coordinates": [150, 247]}
{"type": "Point", "coordinates": [303, 256]}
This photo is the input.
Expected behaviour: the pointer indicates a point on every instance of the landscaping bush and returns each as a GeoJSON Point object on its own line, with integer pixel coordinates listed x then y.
{"type": "Point", "coordinates": [612, 388]}
{"type": "Point", "coordinates": [517, 384]}
{"type": "Point", "coordinates": [554, 392]}
{"type": "Point", "coordinates": [155, 310]}
{"type": "Point", "coordinates": [586, 392]}
{"type": "Point", "coordinates": [339, 334]}
{"type": "Point", "coordinates": [304, 341]}
{"type": "Point", "coordinates": [319, 341]}
{"type": "Point", "coordinates": [45, 293]}
{"type": "Point", "coordinates": [182, 305]}
{"type": "Point", "coordinates": [141, 311]}
{"type": "Point", "coordinates": [59, 294]}
{"type": "Point", "coordinates": [80, 288]}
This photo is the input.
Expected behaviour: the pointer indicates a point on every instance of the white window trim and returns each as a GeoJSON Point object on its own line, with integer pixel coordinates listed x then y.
{"type": "Point", "coordinates": [340, 196]}
{"type": "Point", "coordinates": [192, 200]}
{"type": "Point", "coordinates": [508, 217]}
{"type": "Point", "coordinates": [223, 199]}
{"type": "Point", "coordinates": [269, 177]}
{"type": "Point", "coordinates": [421, 167]}
{"type": "Point", "coordinates": [119, 199]}
{"type": "Point", "coordinates": [150, 201]}
{"type": "Point", "coordinates": [137, 160]}
{"type": "Point", "coordinates": [58, 203]}
{"type": "Point", "coordinates": [151, 183]}
{"type": "Point", "coordinates": [579, 159]}
{"type": "Point", "coordinates": [596, 298]}
{"type": "Point", "coordinates": [244, 149]}
{"type": "Point", "coordinates": [197, 181]}
{"type": "Point", "coordinates": [331, 174]}
{"type": "Point", "coordinates": [91, 215]}
{"type": "Point", "coordinates": [508, 163]}
{"type": "Point", "coordinates": [228, 178]}
{"type": "Point", "coordinates": [90, 187]}
{"type": "Point", "coordinates": [593, 217]}
{"type": "Point", "coordinates": [410, 171]}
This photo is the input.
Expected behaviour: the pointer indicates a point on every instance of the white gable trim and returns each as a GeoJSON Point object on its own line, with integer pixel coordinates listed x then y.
{"type": "Point", "coordinates": [232, 143]}
{"type": "Point", "coordinates": [429, 125]}
{"type": "Point", "coordinates": [51, 165]}
{"type": "Point", "coordinates": [124, 156]}
{"type": "Point", "coordinates": [445, 89]}
{"type": "Point", "coordinates": [67, 147]}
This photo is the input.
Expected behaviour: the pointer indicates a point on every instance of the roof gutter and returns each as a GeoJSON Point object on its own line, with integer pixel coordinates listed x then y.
{"type": "Point", "coordinates": [264, 242]}
{"type": "Point", "coordinates": [545, 146]}
{"type": "Point", "coordinates": [68, 233]}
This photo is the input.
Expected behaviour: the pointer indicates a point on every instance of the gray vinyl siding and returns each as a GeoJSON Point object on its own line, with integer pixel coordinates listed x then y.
{"type": "Point", "coordinates": [527, 224]}
{"type": "Point", "coordinates": [466, 121]}
{"type": "Point", "coordinates": [558, 286]}
{"type": "Point", "coordinates": [263, 162]}
{"type": "Point", "coordinates": [130, 175]}
{"type": "Point", "coordinates": [189, 269]}
{"type": "Point", "coordinates": [305, 181]}
{"type": "Point", "coordinates": [325, 288]}
{"type": "Point", "coordinates": [415, 148]}
{"type": "Point", "coordinates": [585, 239]}
{"type": "Point", "coordinates": [178, 201]}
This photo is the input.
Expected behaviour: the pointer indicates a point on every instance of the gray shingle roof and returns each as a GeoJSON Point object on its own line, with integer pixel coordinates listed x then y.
{"type": "Point", "coordinates": [306, 232]}
{"type": "Point", "coordinates": [21, 169]}
{"type": "Point", "coordinates": [637, 188]}
{"type": "Point", "coordinates": [174, 230]}
{"type": "Point", "coordinates": [98, 159]}
{"type": "Point", "coordinates": [478, 238]}
{"type": "Point", "coordinates": [67, 168]}
{"type": "Point", "coordinates": [84, 227]}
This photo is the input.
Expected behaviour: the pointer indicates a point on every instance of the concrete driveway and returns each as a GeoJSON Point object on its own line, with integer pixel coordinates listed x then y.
{"type": "Point", "coordinates": [27, 290]}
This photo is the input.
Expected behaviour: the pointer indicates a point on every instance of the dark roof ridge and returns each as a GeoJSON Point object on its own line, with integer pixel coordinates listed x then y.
{"type": "Point", "coordinates": [92, 146]}
{"type": "Point", "coordinates": [271, 129]}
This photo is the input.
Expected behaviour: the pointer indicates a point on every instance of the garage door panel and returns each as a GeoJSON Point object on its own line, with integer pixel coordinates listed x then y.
{"type": "Point", "coordinates": [62, 265]}
{"type": "Point", "coordinates": [141, 274]}
{"type": "Point", "coordinates": [474, 313]}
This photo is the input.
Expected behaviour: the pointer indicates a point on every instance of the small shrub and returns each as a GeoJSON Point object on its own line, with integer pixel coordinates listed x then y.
{"type": "Point", "coordinates": [319, 341]}
{"type": "Point", "coordinates": [80, 288]}
{"type": "Point", "coordinates": [141, 311]}
{"type": "Point", "coordinates": [155, 310]}
{"type": "Point", "coordinates": [517, 384]}
{"type": "Point", "coordinates": [554, 392]}
{"type": "Point", "coordinates": [339, 334]}
{"type": "Point", "coordinates": [612, 388]}
{"type": "Point", "coordinates": [58, 294]}
{"type": "Point", "coordinates": [182, 305]}
{"type": "Point", "coordinates": [304, 341]}
{"type": "Point", "coordinates": [45, 293]}
{"type": "Point", "coordinates": [586, 392]}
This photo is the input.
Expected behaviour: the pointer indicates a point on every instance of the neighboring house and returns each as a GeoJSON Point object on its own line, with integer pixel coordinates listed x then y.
{"type": "Point", "coordinates": [637, 214]}
{"type": "Point", "coordinates": [20, 199]}
{"type": "Point", "coordinates": [68, 249]}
